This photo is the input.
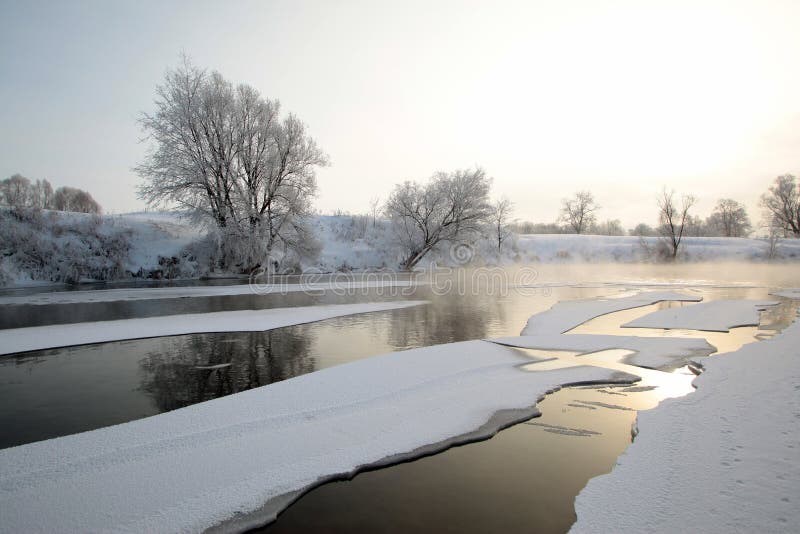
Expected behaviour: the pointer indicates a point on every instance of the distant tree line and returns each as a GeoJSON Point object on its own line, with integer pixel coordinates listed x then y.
{"type": "Point", "coordinates": [729, 219]}
{"type": "Point", "coordinates": [20, 192]}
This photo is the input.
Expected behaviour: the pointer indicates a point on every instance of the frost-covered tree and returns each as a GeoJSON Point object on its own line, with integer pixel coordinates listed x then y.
{"type": "Point", "coordinates": [729, 219]}
{"type": "Point", "coordinates": [73, 199]}
{"type": "Point", "coordinates": [374, 209]}
{"type": "Point", "coordinates": [451, 207]}
{"type": "Point", "coordinates": [782, 204]}
{"type": "Point", "coordinates": [224, 153]}
{"type": "Point", "coordinates": [578, 212]}
{"type": "Point", "coordinates": [500, 220]}
{"type": "Point", "coordinates": [673, 219]}
{"type": "Point", "coordinates": [43, 195]}
{"type": "Point", "coordinates": [642, 230]}
{"type": "Point", "coordinates": [609, 227]}
{"type": "Point", "coordinates": [15, 191]}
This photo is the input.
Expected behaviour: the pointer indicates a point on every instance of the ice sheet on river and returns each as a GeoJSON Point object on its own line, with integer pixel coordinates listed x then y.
{"type": "Point", "coordinates": [789, 293]}
{"type": "Point", "coordinates": [652, 352]}
{"type": "Point", "coordinates": [724, 459]}
{"type": "Point", "coordinates": [714, 316]}
{"type": "Point", "coordinates": [112, 295]}
{"type": "Point", "coordinates": [206, 464]}
{"type": "Point", "coordinates": [566, 315]}
{"type": "Point", "coordinates": [64, 335]}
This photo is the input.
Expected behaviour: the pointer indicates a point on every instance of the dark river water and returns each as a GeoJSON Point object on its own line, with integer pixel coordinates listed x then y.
{"type": "Point", "coordinates": [522, 480]}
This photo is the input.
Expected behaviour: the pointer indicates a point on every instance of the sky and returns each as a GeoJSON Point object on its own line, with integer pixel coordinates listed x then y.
{"type": "Point", "coordinates": [620, 98]}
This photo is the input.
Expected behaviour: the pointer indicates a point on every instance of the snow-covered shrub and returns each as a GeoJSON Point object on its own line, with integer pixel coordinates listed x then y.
{"type": "Point", "coordinates": [57, 247]}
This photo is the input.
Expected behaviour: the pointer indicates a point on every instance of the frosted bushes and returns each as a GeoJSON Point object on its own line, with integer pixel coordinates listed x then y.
{"type": "Point", "coordinates": [54, 247]}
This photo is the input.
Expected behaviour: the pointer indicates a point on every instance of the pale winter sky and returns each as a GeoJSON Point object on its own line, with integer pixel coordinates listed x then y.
{"type": "Point", "coordinates": [619, 97]}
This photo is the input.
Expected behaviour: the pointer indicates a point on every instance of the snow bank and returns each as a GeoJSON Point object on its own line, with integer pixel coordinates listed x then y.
{"type": "Point", "coordinates": [112, 295]}
{"type": "Point", "coordinates": [650, 352]}
{"type": "Point", "coordinates": [715, 316]}
{"type": "Point", "coordinates": [156, 235]}
{"type": "Point", "coordinates": [63, 335]}
{"type": "Point", "coordinates": [220, 461]}
{"type": "Point", "coordinates": [566, 315]}
{"type": "Point", "coordinates": [724, 459]}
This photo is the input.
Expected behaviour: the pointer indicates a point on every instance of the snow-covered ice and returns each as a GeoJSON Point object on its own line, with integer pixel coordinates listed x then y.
{"type": "Point", "coordinates": [566, 315]}
{"type": "Point", "coordinates": [62, 335]}
{"type": "Point", "coordinates": [651, 352]}
{"type": "Point", "coordinates": [723, 459]}
{"type": "Point", "coordinates": [789, 293]}
{"type": "Point", "coordinates": [214, 462]}
{"type": "Point", "coordinates": [714, 316]}
{"type": "Point", "coordinates": [341, 284]}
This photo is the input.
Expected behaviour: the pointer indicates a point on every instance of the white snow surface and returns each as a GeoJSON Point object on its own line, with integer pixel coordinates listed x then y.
{"type": "Point", "coordinates": [789, 293]}
{"type": "Point", "coordinates": [63, 335]}
{"type": "Point", "coordinates": [566, 315]}
{"type": "Point", "coordinates": [651, 352]}
{"type": "Point", "coordinates": [153, 293]}
{"type": "Point", "coordinates": [154, 235]}
{"type": "Point", "coordinates": [714, 316]}
{"type": "Point", "coordinates": [199, 466]}
{"type": "Point", "coordinates": [724, 459]}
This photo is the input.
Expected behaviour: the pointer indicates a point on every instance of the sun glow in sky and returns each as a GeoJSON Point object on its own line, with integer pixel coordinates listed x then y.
{"type": "Point", "coordinates": [619, 97]}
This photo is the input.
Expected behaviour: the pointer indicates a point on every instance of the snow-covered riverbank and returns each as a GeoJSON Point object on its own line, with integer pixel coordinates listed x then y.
{"type": "Point", "coordinates": [723, 459]}
{"type": "Point", "coordinates": [71, 246]}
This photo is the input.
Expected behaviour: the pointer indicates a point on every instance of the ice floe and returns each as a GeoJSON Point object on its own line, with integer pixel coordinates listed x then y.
{"type": "Point", "coordinates": [566, 315]}
{"type": "Point", "coordinates": [714, 316]}
{"type": "Point", "coordinates": [789, 293]}
{"type": "Point", "coordinates": [652, 352]}
{"type": "Point", "coordinates": [62, 335]}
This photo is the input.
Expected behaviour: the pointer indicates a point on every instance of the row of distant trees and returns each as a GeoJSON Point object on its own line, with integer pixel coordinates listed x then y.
{"type": "Point", "coordinates": [781, 205]}
{"type": "Point", "coordinates": [729, 218]}
{"type": "Point", "coordinates": [19, 192]}
{"type": "Point", "coordinates": [578, 215]}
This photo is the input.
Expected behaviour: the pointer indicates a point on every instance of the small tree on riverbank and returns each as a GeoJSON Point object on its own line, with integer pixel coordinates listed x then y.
{"type": "Point", "coordinates": [782, 204]}
{"type": "Point", "coordinates": [451, 207]}
{"type": "Point", "coordinates": [673, 219]}
{"type": "Point", "coordinates": [578, 212]}
{"type": "Point", "coordinates": [500, 219]}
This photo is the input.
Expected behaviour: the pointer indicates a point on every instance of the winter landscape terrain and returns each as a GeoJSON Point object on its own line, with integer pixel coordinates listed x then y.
{"type": "Point", "coordinates": [453, 266]}
{"type": "Point", "coordinates": [153, 245]}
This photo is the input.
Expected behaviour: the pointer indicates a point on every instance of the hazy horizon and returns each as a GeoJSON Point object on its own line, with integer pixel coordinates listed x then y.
{"type": "Point", "coordinates": [620, 98]}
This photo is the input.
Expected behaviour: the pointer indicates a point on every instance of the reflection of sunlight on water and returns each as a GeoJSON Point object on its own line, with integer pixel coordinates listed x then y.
{"type": "Point", "coordinates": [653, 387]}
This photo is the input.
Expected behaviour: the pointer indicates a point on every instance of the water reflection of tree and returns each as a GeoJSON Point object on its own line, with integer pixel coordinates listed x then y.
{"type": "Point", "coordinates": [446, 319]}
{"type": "Point", "coordinates": [171, 375]}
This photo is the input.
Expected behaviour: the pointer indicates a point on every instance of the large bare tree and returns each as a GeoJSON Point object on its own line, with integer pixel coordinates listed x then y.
{"type": "Point", "coordinates": [673, 219]}
{"type": "Point", "coordinates": [578, 212]}
{"type": "Point", "coordinates": [782, 204]}
{"type": "Point", "coordinates": [451, 207]}
{"type": "Point", "coordinates": [224, 154]}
